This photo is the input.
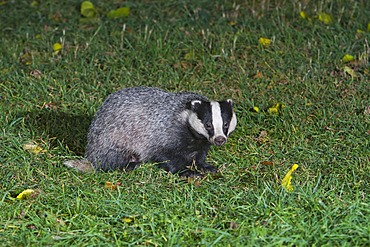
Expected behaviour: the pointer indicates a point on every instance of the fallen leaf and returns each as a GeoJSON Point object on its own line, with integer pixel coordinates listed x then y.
{"type": "Point", "coordinates": [26, 58]}
{"type": "Point", "coordinates": [262, 137]}
{"type": "Point", "coordinates": [88, 10]}
{"type": "Point", "coordinates": [190, 56]}
{"type": "Point", "coordinates": [31, 226]}
{"type": "Point", "coordinates": [57, 47]}
{"type": "Point", "coordinates": [325, 18]}
{"type": "Point", "coordinates": [234, 225]}
{"type": "Point", "coordinates": [368, 27]}
{"type": "Point", "coordinates": [50, 105]}
{"type": "Point", "coordinates": [286, 182]}
{"type": "Point", "coordinates": [25, 194]}
{"type": "Point", "coordinates": [118, 13]}
{"type": "Point", "coordinates": [255, 109]}
{"type": "Point", "coordinates": [367, 111]}
{"type": "Point", "coordinates": [36, 73]}
{"type": "Point", "coordinates": [305, 16]}
{"type": "Point", "coordinates": [128, 220]}
{"type": "Point", "coordinates": [112, 186]}
{"type": "Point", "coordinates": [348, 58]}
{"type": "Point", "coordinates": [277, 108]}
{"type": "Point", "coordinates": [258, 75]}
{"type": "Point", "coordinates": [350, 71]}
{"type": "Point", "coordinates": [33, 148]}
{"type": "Point", "coordinates": [267, 163]}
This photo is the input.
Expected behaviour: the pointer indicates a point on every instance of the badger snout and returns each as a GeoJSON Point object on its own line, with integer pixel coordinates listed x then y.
{"type": "Point", "coordinates": [219, 140]}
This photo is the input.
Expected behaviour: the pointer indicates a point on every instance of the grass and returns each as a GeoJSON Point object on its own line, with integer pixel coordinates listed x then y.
{"type": "Point", "coordinates": [49, 99]}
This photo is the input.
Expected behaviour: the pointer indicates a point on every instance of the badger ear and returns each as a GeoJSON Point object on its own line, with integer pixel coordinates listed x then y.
{"type": "Point", "coordinates": [194, 104]}
{"type": "Point", "coordinates": [230, 101]}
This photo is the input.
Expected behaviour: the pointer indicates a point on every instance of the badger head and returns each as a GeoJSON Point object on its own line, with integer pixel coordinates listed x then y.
{"type": "Point", "coordinates": [213, 120]}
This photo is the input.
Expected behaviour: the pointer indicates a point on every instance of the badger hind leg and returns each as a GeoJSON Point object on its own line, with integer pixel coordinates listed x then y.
{"type": "Point", "coordinates": [115, 159]}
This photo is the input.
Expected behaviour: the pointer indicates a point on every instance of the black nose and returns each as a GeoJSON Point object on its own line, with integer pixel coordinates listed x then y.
{"type": "Point", "coordinates": [220, 140]}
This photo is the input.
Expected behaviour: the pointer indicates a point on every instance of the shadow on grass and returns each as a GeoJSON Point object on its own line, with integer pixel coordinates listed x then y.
{"type": "Point", "coordinates": [60, 128]}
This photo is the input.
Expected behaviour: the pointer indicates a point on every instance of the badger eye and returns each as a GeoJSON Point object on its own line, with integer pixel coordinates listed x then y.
{"type": "Point", "coordinates": [208, 126]}
{"type": "Point", "coordinates": [226, 125]}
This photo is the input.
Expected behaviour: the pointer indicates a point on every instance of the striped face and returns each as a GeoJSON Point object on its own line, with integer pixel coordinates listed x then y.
{"type": "Point", "coordinates": [214, 120]}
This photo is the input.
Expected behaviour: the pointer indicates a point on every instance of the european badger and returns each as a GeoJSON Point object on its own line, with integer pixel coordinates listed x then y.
{"type": "Point", "coordinates": [143, 124]}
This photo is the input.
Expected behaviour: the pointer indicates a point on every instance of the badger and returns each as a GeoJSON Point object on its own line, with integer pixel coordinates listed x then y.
{"type": "Point", "coordinates": [173, 130]}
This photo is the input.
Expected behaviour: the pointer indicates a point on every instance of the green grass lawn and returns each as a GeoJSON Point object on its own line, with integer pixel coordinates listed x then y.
{"type": "Point", "coordinates": [48, 98]}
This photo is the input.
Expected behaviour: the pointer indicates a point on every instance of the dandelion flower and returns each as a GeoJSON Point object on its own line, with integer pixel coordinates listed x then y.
{"type": "Point", "coordinates": [265, 42]}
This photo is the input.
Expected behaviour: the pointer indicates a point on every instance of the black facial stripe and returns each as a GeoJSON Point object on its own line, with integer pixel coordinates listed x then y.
{"type": "Point", "coordinates": [226, 113]}
{"type": "Point", "coordinates": [204, 113]}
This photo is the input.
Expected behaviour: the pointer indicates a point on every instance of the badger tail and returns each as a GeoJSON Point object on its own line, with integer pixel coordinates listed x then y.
{"type": "Point", "coordinates": [82, 165]}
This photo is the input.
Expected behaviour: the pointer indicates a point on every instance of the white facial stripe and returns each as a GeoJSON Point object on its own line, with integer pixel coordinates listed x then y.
{"type": "Point", "coordinates": [232, 124]}
{"type": "Point", "coordinates": [217, 121]}
{"type": "Point", "coordinates": [197, 125]}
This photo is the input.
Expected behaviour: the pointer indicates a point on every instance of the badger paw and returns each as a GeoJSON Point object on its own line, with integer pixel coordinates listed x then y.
{"type": "Point", "coordinates": [207, 168]}
{"type": "Point", "coordinates": [190, 174]}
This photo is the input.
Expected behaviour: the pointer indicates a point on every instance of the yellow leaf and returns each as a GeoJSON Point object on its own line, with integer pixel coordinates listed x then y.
{"type": "Point", "coordinates": [88, 10]}
{"type": "Point", "coordinates": [118, 13]}
{"type": "Point", "coordinates": [348, 58]}
{"type": "Point", "coordinates": [190, 55]}
{"type": "Point", "coordinates": [368, 27]}
{"type": "Point", "coordinates": [286, 182]}
{"type": "Point", "coordinates": [25, 194]}
{"type": "Point", "coordinates": [276, 108]}
{"type": "Point", "coordinates": [359, 31]}
{"type": "Point", "coordinates": [325, 18]}
{"type": "Point", "coordinates": [57, 47]}
{"type": "Point", "coordinates": [265, 42]}
{"type": "Point", "coordinates": [256, 109]}
{"type": "Point", "coordinates": [127, 220]}
{"type": "Point", "coordinates": [304, 15]}
{"type": "Point", "coordinates": [350, 71]}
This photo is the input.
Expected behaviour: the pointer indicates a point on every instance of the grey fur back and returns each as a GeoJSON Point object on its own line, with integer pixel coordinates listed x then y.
{"type": "Point", "coordinates": [132, 120]}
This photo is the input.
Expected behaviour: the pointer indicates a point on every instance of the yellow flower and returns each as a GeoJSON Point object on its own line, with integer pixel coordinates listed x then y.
{"type": "Point", "coordinates": [286, 182]}
{"type": "Point", "coordinates": [325, 18]}
{"type": "Point", "coordinates": [265, 42]}
{"type": "Point", "coordinates": [256, 109]}
{"type": "Point", "coordinates": [348, 58]}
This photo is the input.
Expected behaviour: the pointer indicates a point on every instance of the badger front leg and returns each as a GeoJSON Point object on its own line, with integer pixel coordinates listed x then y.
{"type": "Point", "coordinates": [201, 164]}
{"type": "Point", "coordinates": [175, 168]}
